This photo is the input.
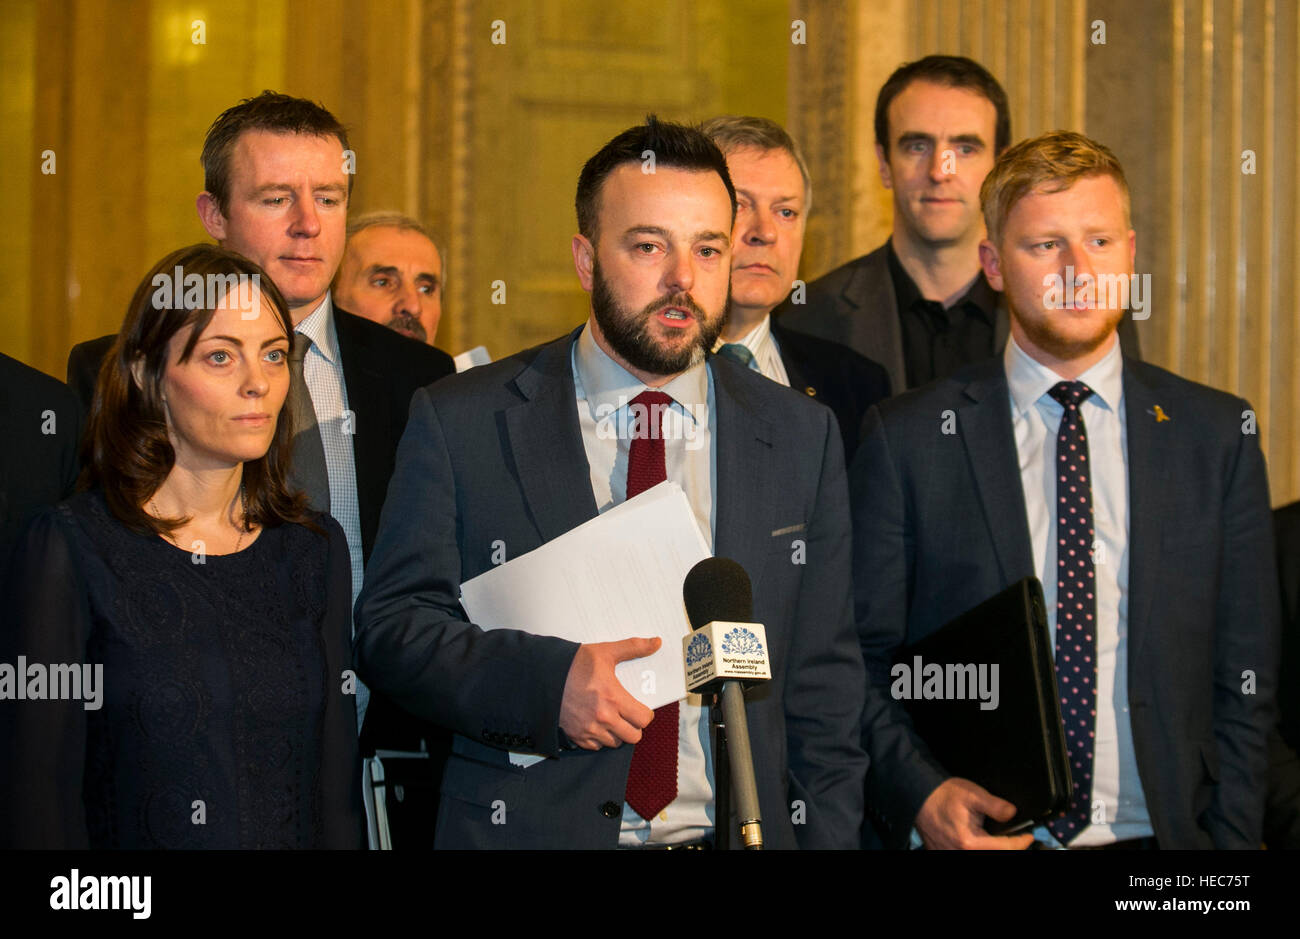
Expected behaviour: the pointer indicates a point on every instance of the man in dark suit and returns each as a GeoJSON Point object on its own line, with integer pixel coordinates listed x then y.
{"type": "Point", "coordinates": [1286, 526]}
{"type": "Point", "coordinates": [501, 455]}
{"type": "Point", "coordinates": [773, 197]}
{"type": "Point", "coordinates": [1282, 812]}
{"type": "Point", "coordinates": [40, 422]}
{"type": "Point", "coordinates": [277, 183]}
{"type": "Point", "coordinates": [919, 304]}
{"type": "Point", "coordinates": [1137, 498]}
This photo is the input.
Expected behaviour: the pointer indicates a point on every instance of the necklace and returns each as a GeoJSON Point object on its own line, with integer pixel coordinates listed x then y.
{"type": "Point", "coordinates": [243, 507]}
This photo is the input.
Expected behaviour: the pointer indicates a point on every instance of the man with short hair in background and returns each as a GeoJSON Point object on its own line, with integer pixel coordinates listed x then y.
{"type": "Point", "coordinates": [392, 274]}
{"type": "Point", "coordinates": [773, 198]}
{"type": "Point", "coordinates": [919, 304]}
{"type": "Point", "coordinates": [277, 181]}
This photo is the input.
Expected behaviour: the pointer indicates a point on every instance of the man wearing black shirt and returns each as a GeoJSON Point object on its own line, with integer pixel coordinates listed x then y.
{"type": "Point", "coordinates": [919, 304]}
{"type": "Point", "coordinates": [937, 340]}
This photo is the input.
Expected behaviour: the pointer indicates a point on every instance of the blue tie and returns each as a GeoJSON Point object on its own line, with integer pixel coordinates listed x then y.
{"type": "Point", "coordinates": [1076, 607]}
{"type": "Point", "coordinates": [738, 352]}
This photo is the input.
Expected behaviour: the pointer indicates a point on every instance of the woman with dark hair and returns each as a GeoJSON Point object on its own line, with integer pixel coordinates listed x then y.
{"type": "Point", "coordinates": [183, 621]}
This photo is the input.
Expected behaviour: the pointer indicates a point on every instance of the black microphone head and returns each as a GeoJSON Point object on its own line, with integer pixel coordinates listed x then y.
{"type": "Point", "coordinates": [718, 589]}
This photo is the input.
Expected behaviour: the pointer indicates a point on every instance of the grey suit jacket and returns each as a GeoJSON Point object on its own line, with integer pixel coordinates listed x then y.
{"type": "Point", "coordinates": [855, 305]}
{"type": "Point", "coordinates": [940, 525]}
{"type": "Point", "coordinates": [495, 455]}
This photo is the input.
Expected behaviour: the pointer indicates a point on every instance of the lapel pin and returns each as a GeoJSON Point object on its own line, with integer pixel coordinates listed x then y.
{"type": "Point", "coordinates": [1159, 414]}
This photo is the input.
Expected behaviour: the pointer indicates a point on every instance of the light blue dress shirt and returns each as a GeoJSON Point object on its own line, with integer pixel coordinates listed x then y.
{"type": "Point", "coordinates": [604, 389]}
{"type": "Point", "coordinates": [323, 370]}
{"type": "Point", "coordinates": [1118, 809]}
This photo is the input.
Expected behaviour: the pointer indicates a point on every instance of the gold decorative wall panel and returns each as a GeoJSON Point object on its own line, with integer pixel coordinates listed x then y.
{"type": "Point", "coordinates": [484, 141]}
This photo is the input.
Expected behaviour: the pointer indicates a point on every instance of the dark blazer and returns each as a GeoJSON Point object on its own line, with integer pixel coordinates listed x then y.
{"type": "Point", "coordinates": [855, 305]}
{"type": "Point", "coordinates": [1286, 528]}
{"type": "Point", "coordinates": [843, 380]}
{"type": "Point", "coordinates": [381, 369]}
{"type": "Point", "coordinates": [1282, 815]}
{"type": "Point", "coordinates": [496, 455]}
{"type": "Point", "coordinates": [40, 424]}
{"type": "Point", "coordinates": [940, 525]}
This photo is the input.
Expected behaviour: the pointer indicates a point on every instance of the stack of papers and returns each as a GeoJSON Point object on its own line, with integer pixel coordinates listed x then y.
{"type": "Point", "coordinates": [617, 576]}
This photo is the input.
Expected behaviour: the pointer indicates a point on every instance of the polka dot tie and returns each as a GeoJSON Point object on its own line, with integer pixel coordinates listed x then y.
{"type": "Point", "coordinates": [1076, 606]}
{"type": "Point", "coordinates": [652, 778]}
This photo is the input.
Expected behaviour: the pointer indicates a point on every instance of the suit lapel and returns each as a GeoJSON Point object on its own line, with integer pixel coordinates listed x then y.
{"type": "Point", "coordinates": [366, 386]}
{"type": "Point", "coordinates": [1144, 501]}
{"type": "Point", "coordinates": [794, 363]}
{"type": "Point", "coordinates": [875, 329]}
{"type": "Point", "coordinates": [546, 443]}
{"type": "Point", "coordinates": [985, 428]}
{"type": "Point", "coordinates": [744, 483]}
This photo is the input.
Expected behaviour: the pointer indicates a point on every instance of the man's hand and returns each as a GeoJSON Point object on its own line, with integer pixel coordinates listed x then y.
{"type": "Point", "coordinates": [953, 817]}
{"type": "Point", "coordinates": [596, 710]}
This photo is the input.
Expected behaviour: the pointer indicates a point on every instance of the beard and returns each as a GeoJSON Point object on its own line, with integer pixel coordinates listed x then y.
{"type": "Point", "coordinates": [408, 326]}
{"type": "Point", "coordinates": [1044, 335]}
{"type": "Point", "coordinates": [629, 334]}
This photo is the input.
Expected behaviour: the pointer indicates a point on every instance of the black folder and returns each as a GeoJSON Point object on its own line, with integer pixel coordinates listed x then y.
{"type": "Point", "coordinates": [1017, 750]}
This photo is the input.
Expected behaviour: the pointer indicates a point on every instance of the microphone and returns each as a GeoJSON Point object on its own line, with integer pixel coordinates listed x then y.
{"type": "Point", "coordinates": [723, 650]}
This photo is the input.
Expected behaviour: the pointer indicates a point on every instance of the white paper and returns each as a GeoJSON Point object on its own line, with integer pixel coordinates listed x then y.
{"type": "Point", "coordinates": [617, 576]}
{"type": "Point", "coordinates": [472, 357]}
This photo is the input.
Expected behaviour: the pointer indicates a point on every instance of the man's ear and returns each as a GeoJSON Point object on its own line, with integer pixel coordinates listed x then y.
{"type": "Point", "coordinates": [211, 217]}
{"type": "Point", "coordinates": [886, 178]}
{"type": "Point", "coordinates": [584, 261]}
{"type": "Point", "coordinates": [992, 265]}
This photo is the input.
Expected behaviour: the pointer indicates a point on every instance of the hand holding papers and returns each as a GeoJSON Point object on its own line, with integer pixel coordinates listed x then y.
{"type": "Point", "coordinates": [617, 576]}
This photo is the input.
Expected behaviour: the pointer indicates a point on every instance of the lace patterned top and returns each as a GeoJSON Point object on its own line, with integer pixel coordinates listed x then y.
{"type": "Point", "coordinates": [222, 720]}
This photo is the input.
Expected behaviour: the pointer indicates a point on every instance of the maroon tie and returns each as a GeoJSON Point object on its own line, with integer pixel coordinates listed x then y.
{"type": "Point", "coordinates": [652, 781]}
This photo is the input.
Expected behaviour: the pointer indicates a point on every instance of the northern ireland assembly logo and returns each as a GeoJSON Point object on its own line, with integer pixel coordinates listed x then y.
{"type": "Point", "coordinates": [740, 641]}
{"type": "Point", "coordinates": [699, 650]}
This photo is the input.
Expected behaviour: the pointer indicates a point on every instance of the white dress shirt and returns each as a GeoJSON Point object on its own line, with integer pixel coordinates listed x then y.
{"type": "Point", "coordinates": [604, 389]}
{"type": "Point", "coordinates": [767, 354]}
{"type": "Point", "coordinates": [323, 371]}
{"type": "Point", "coordinates": [1117, 795]}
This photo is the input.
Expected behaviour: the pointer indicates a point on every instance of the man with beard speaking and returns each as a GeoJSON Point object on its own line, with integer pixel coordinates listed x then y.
{"type": "Point", "coordinates": [511, 453]}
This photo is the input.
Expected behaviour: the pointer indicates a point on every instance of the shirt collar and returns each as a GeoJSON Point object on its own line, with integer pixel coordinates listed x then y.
{"type": "Point", "coordinates": [608, 386]}
{"type": "Point", "coordinates": [319, 328]}
{"type": "Point", "coordinates": [754, 339]}
{"type": "Point", "coordinates": [1029, 380]}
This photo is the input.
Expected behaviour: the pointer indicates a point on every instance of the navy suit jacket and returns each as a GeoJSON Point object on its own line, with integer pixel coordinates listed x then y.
{"type": "Point", "coordinates": [496, 455]}
{"type": "Point", "coordinates": [855, 305]}
{"type": "Point", "coordinates": [40, 423]}
{"type": "Point", "coordinates": [940, 525]}
{"type": "Point", "coordinates": [843, 380]}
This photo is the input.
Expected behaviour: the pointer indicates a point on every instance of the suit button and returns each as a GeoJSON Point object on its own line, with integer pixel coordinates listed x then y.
{"type": "Point", "coordinates": [810, 391]}
{"type": "Point", "coordinates": [611, 810]}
